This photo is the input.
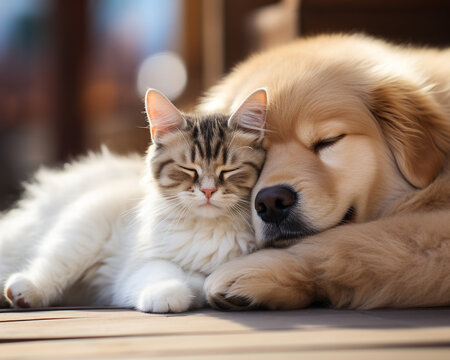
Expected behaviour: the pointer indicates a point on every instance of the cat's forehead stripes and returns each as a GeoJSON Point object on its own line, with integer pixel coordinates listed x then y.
{"type": "Point", "coordinates": [208, 137]}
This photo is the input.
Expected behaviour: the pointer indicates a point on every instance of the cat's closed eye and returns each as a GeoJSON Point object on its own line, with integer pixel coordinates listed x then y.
{"type": "Point", "coordinates": [224, 174]}
{"type": "Point", "coordinates": [190, 171]}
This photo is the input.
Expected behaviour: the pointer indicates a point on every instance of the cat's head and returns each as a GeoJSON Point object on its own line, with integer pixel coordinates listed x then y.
{"type": "Point", "coordinates": [207, 164]}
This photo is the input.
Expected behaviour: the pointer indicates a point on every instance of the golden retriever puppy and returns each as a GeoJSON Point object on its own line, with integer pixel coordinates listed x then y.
{"type": "Point", "coordinates": [354, 198]}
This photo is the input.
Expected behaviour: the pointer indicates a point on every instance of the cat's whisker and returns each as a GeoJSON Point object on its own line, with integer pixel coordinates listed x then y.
{"type": "Point", "coordinates": [244, 205]}
{"type": "Point", "coordinates": [167, 218]}
{"type": "Point", "coordinates": [178, 216]}
{"type": "Point", "coordinates": [167, 211]}
{"type": "Point", "coordinates": [243, 213]}
{"type": "Point", "coordinates": [181, 216]}
{"type": "Point", "coordinates": [166, 207]}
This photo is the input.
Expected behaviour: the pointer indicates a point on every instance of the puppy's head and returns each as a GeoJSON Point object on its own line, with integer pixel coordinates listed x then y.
{"type": "Point", "coordinates": [342, 146]}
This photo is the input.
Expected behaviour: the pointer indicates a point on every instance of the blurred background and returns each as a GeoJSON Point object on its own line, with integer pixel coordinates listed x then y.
{"type": "Point", "coordinates": [73, 73]}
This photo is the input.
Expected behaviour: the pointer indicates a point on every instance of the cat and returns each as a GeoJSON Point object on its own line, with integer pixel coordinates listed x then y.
{"type": "Point", "coordinates": [135, 233]}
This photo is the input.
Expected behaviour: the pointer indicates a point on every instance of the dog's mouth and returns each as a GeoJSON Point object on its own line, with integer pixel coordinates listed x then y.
{"type": "Point", "coordinates": [287, 232]}
{"type": "Point", "coordinates": [283, 239]}
{"type": "Point", "coordinates": [348, 217]}
{"type": "Point", "coordinates": [291, 231]}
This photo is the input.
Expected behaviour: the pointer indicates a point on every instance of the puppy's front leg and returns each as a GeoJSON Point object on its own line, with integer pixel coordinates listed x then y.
{"type": "Point", "coordinates": [401, 261]}
{"type": "Point", "coordinates": [274, 279]}
{"type": "Point", "coordinates": [398, 262]}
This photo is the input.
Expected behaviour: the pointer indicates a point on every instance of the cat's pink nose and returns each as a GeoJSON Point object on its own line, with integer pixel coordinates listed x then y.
{"type": "Point", "coordinates": [208, 192]}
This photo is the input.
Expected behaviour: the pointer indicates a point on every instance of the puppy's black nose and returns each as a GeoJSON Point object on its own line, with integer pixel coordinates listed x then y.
{"type": "Point", "coordinates": [274, 203]}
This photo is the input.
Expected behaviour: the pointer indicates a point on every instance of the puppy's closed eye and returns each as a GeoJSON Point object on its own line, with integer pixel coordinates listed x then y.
{"type": "Point", "coordinates": [322, 144]}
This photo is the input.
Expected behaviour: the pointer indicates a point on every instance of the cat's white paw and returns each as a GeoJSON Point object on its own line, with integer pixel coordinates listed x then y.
{"type": "Point", "coordinates": [22, 292]}
{"type": "Point", "coordinates": [165, 296]}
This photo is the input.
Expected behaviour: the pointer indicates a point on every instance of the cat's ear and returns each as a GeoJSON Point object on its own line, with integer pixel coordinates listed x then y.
{"type": "Point", "coordinates": [251, 114]}
{"type": "Point", "coordinates": [163, 116]}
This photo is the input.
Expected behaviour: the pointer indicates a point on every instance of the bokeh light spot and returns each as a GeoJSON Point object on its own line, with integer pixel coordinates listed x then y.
{"type": "Point", "coordinates": [165, 72]}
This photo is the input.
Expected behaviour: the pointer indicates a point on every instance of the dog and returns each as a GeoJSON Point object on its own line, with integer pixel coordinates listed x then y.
{"type": "Point", "coordinates": [353, 202]}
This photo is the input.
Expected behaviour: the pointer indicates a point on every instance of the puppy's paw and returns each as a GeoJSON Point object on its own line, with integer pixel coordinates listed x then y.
{"type": "Point", "coordinates": [166, 296]}
{"type": "Point", "coordinates": [267, 279]}
{"type": "Point", "coordinates": [22, 292]}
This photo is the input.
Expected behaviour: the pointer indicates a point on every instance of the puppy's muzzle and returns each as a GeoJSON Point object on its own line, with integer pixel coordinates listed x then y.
{"type": "Point", "coordinates": [273, 204]}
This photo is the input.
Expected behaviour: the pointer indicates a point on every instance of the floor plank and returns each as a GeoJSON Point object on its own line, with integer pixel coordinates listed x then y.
{"type": "Point", "coordinates": [101, 323]}
{"type": "Point", "coordinates": [227, 344]}
{"type": "Point", "coordinates": [118, 333]}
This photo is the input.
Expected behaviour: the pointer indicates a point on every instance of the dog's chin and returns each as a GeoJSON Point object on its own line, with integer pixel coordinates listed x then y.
{"type": "Point", "coordinates": [293, 231]}
{"type": "Point", "coordinates": [285, 234]}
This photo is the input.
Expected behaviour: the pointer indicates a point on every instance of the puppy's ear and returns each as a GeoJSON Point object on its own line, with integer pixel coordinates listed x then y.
{"type": "Point", "coordinates": [163, 116]}
{"type": "Point", "coordinates": [415, 127]}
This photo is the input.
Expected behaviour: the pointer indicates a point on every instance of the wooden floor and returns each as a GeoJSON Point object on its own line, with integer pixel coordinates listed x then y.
{"type": "Point", "coordinates": [208, 334]}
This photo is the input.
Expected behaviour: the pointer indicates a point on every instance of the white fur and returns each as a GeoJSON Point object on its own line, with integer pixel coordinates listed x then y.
{"type": "Point", "coordinates": [95, 234]}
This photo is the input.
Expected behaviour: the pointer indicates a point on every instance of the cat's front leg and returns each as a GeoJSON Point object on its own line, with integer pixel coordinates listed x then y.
{"type": "Point", "coordinates": [22, 292]}
{"type": "Point", "coordinates": [161, 286]}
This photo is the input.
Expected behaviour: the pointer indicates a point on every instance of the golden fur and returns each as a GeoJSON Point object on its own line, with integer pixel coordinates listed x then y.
{"type": "Point", "coordinates": [392, 168]}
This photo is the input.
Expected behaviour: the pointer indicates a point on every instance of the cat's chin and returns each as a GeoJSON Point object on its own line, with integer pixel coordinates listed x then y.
{"type": "Point", "coordinates": [209, 211]}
